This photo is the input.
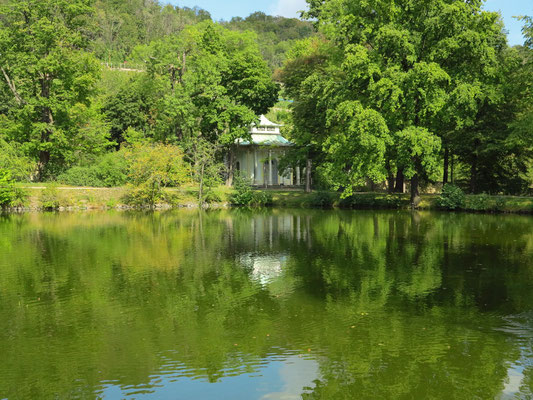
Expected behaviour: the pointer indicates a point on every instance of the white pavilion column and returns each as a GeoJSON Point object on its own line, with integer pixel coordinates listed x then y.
{"type": "Point", "coordinates": [254, 175]}
{"type": "Point", "coordinates": [270, 167]}
{"type": "Point", "coordinates": [298, 175]}
{"type": "Point", "coordinates": [292, 177]}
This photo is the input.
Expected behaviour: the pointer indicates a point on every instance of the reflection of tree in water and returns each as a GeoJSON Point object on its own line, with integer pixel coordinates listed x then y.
{"type": "Point", "coordinates": [389, 304]}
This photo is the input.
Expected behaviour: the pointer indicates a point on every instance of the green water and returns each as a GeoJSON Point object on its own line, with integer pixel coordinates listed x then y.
{"type": "Point", "coordinates": [274, 304]}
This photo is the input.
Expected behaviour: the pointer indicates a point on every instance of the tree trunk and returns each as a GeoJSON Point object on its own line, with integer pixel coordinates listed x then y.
{"type": "Point", "coordinates": [452, 170]}
{"type": "Point", "coordinates": [473, 175]}
{"type": "Point", "coordinates": [415, 195]}
{"type": "Point", "coordinates": [446, 165]}
{"type": "Point", "coordinates": [308, 167]}
{"type": "Point", "coordinates": [399, 181]}
{"type": "Point", "coordinates": [47, 118]}
{"type": "Point", "coordinates": [201, 189]}
{"type": "Point", "coordinates": [390, 179]}
{"type": "Point", "coordinates": [415, 183]}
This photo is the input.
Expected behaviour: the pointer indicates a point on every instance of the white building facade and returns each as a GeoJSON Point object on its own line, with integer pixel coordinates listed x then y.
{"type": "Point", "coordinates": [258, 160]}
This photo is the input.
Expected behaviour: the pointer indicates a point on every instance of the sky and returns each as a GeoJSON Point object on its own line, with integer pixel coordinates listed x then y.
{"type": "Point", "coordinates": [225, 9]}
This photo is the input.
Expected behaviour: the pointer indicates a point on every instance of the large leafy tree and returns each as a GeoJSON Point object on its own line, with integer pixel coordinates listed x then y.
{"type": "Point", "coordinates": [211, 82]}
{"type": "Point", "coordinates": [411, 63]}
{"type": "Point", "coordinates": [50, 79]}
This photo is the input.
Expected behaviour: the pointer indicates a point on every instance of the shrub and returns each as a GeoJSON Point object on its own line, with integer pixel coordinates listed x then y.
{"type": "Point", "coordinates": [140, 196]}
{"type": "Point", "coordinates": [49, 198]}
{"type": "Point", "coordinates": [499, 204]}
{"type": "Point", "coordinates": [244, 195]}
{"type": "Point", "coordinates": [20, 198]}
{"type": "Point", "coordinates": [81, 176]}
{"type": "Point", "coordinates": [370, 200]}
{"type": "Point", "coordinates": [151, 168]}
{"type": "Point", "coordinates": [322, 200]}
{"type": "Point", "coordinates": [262, 199]}
{"type": "Point", "coordinates": [7, 188]}
{"type": "Point", "coordinates": [211, 196]}
{"type": "Point", "coordinates": [12, 158]}
{"type": "Point", "coordinates": [479, 202]}
{"type": "Point", "coordinates": [451, 198]}
{"type": "Point", "coordinates": [112, 169]}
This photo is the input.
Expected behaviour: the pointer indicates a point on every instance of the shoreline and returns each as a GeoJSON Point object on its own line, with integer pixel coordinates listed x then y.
{"type": "Point", "coordinates": [80, 199]}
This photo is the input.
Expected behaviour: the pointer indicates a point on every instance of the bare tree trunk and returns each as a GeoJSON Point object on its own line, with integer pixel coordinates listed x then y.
{"type": "Point", "coordinates": [308, 167]}
{"type": "Point", "coordinates": [399, 188]}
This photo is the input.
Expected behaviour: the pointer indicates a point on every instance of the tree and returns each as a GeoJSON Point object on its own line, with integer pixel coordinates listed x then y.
{"type": "Point", "coordinates": [214, 84]}
{"type": "Point", "coordinates": [50, 76]}
{"type": "Point", "coordinates": [404, 60]}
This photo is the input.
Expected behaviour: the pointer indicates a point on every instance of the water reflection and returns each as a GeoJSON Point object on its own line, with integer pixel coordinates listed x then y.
{"type": "Point", "coordinates": [270, 304]}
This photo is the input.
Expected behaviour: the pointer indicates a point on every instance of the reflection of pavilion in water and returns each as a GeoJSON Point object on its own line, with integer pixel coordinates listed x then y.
{"type": "Point", "coordinates": [268, 232]}
{"type": "Point", "coordinates": [262, 242]}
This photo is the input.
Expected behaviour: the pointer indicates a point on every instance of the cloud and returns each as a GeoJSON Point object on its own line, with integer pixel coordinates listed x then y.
{"type": "Point", "coordinates": [288, 8]}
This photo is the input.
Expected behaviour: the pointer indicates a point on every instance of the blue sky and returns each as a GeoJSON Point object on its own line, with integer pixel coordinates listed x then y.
{"type": "Point", "coordinates": [225, 9]}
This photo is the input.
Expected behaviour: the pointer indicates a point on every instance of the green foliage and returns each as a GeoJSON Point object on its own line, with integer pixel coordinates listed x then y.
{"type": "Point", "coordinates": [81, 176]}
{"type": "Point", "coordinates": [50, 80]}
{"type": "Point", "coordinates": [13, 159]}
{"type": "Point", "coordinates": [112, 169]}
{"type": "Point", "coordinates": [109, 170]}
{"type": "Point", "coordinates": [451, 198]}
{"type": "Point", "coordinates": [499, 203]}
{"type": "Point", "coordinates": [322, 199]}
{"type": "Point", "coordinates": [275, 34]}
{"type": "Point", "coordinates": [151, 168]}
{"type": "Point", "coordinates": [479, 202]}
{"type": "Point", "coordinates": [49, 198]}
{"type": "Point", "coordinates": [371, 200]}
{"type": "Point", "coordinates": [7, 188]}
{"type": "Point", "coordinates": [427, 75]}
{"type": "Point", "coordinates": [245, 195]}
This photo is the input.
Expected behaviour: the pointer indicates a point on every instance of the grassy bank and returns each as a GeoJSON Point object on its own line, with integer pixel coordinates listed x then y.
{"type": "Point", "coordinates": [473, 203]}
{"type": "Point", "coordinates": [49, 196]}
{"type": "Point", "coordinates": [41, 196]}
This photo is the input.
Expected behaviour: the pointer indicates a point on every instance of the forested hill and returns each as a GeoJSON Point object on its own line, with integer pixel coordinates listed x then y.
{"type": "Point", "coordinates": [121, 25]}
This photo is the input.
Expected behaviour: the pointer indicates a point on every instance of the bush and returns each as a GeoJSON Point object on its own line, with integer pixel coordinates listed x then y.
{"type": "Point", "coordinates": [262, 199]}
{"type": "Point", "coordinates": [451, 198]}
{"type": "Point", "coordinates": [20, 198]}
{"type": "Point", "coordinates": [49, 198]}
{"type": "Point", "coordinates": [81, 176]}
{"type": "Point", "coordinates": [110, 170]}
{"type": "Point", "coordinates": [499, 204]}
{"type": "Point", "coordinates": [142, 196]}
{"type": "Point", "coordinates": [244, 195]}
{"type": "Point", "coordinates": [7, 188]}
{"type": "Point", "coordinates": [322, 200]}
{"type": "Point", "coordinates": [151, 168]}
{"type": "Point", "coordinates": [370, 200]}
{"type": "Point", "coordinates": [479, 202]}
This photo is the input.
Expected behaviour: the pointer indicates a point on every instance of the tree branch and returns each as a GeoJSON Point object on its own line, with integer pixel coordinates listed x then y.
{"type": "Point", "coordinates": [12, 87]}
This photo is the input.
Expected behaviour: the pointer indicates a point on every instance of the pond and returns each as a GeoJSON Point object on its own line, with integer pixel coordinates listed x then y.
{"type": "Point", "coordinates": [273, 304]}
